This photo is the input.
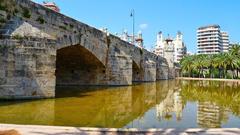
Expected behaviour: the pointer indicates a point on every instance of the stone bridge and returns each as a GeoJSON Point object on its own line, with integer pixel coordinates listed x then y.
{"type": "Point", "coordinates": [40, 49]}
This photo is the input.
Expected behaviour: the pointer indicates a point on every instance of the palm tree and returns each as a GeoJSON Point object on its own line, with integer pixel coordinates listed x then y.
{"type": "Point", "coordinates": [231, 62]}
{"type": "Point", "coordinates": [209, 63]}
{"type": "Point", "coordinates": [238, 61]}
{"type": "Point", "coordinates": [222, 61]}
{"type": "Point", "coordinates": [186, 65]}
{"type": "Point", "coordinates": [218, 63]}
{"type": "Point", "coordinates": [199, 63]}
{"type": "Point", "coordinates": [235, 49]}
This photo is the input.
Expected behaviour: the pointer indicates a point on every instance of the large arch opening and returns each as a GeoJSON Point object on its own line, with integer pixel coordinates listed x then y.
{"type": "Point", "coordinates": [137, 73]}
{"type": "Point", "coordinates": [75, 65]}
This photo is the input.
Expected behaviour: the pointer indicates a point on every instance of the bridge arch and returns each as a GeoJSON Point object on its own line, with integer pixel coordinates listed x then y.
{"type": "Point", "coordinates": [76, 65]}
{"type": "Point", "coordinates": [137, 72]}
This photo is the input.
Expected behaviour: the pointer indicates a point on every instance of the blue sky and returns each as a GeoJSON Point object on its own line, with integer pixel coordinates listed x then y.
{"type": "Point", "coordinates": [152, 16]}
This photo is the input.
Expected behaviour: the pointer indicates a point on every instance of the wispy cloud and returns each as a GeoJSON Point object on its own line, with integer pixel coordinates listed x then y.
{"type": "Point", "coordinates": [143, 26]}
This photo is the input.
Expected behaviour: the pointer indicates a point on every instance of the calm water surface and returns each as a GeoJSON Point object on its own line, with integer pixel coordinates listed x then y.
{"type": "Point", "coordinates": [165, 104]}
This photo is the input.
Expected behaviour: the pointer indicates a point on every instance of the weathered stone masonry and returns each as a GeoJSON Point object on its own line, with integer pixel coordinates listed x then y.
{"type": "Point", "coordinates": [27, 68]}
{"type": "Point", "coordinates": [40, 49]}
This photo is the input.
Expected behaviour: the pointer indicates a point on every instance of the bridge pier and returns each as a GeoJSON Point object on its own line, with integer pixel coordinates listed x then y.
{"type": "Point", "coordinates": [162, 69]}
{"type": "Point", "coordinates": [149, 71]}
{"type": "Point", "coordinates": [27, 69]}
{"type": "Point", "coordinates": [119, 70]}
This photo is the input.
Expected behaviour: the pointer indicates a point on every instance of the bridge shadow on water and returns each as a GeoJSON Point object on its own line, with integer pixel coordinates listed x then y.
{"type": "Point", "coordinates": [77, 91]}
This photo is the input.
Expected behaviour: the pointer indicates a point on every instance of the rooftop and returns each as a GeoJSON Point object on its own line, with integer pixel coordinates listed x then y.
{"type": "Point", "coordinates": [208, 26]}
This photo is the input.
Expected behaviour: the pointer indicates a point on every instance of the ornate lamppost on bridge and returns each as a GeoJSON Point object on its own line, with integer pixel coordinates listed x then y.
{"type": "Point", "coordinates": [133, 25]}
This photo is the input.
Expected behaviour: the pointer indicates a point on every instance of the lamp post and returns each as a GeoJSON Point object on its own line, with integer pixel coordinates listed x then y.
{"type": "Point", "coordinates": [133, 25]}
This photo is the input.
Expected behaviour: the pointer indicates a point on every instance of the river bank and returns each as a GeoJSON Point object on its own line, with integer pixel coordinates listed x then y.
{"type": "Point", "coordinates": [56, 130]}
{"type": "Point", "coordinates": [208, 79]}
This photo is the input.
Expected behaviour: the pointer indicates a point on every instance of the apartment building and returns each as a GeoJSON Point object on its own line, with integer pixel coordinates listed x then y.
{"type": "Point", "coordinates": [211, 40]}
{"type": "Point", "coordinates": [225, 41]}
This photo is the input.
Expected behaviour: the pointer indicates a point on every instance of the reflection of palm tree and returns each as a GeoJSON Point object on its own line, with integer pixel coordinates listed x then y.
{"type": "Point", "coordinates": [225, 95]}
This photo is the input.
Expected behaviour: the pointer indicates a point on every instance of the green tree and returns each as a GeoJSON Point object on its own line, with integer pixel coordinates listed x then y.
{"type": "Point", "coordinates": [231, 62]}
{"type": "Point", "coordinates": [199, 63]}
{"type": "Point", "coordinates": [186, 65]}
{"type": "Point", "coordinates": [235, 51]}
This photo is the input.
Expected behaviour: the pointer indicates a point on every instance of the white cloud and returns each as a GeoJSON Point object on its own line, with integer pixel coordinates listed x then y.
{"type": "Point", "coordinates": [143, 26]}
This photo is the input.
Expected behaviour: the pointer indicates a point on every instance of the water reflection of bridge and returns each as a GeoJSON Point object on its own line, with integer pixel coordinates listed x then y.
{"type": "Point", "coordinates": [172, 103]}
{"type": "Point", "coordinates": [120, 106]}
{"type": "Point", "coordinates": [101, 107]}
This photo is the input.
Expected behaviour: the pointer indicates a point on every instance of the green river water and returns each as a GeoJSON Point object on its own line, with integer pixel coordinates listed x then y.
{"type": "Point", "coordinates": [164, 104]}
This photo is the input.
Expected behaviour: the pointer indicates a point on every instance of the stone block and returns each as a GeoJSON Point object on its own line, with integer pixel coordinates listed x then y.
{"type": "Point", "coordinates": [3, 14]}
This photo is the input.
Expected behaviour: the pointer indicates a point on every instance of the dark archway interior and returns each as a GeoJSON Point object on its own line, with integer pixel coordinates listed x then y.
{"type": "Point", "coordinates": [75, 65]}
{"type": "Point", "coordinates": [137, 73]}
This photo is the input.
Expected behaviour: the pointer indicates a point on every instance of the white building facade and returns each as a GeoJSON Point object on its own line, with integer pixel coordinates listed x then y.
{"type": "Point", "coordinates": [210, 40]}
{"type": "Point", "coordinates": [129, 38]}
{"type": "Point", "coordinates": [176, 46]}
{"type": "Point", "coordinates": [225, 41]}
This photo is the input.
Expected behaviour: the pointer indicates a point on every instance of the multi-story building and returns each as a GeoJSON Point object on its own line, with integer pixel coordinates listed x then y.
{"type": "Point", "coordinates": [210, 40]}
{"type": "Point", "coordinates": [232, 44]}
{"type": "Point", "coordinates": [177, 46]}
{"type": "Point", "coordinates": [225, 41]}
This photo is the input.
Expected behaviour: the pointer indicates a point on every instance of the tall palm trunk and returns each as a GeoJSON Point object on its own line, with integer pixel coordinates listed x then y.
{"type": "Point", "coordinates": [202, 73]}
{"type": "Point", "coordinates": [225, 73]}
{"type": "Point", "coordinates": [210, 70]}
{"type": "Point", "coordinates": [237, 73]}
{"type": "Point", "coordinates": [199, 73]}
{"type": "Point", "coordinates": [219, 72]}
{"type": "Point", "coordinates": [233, 73]}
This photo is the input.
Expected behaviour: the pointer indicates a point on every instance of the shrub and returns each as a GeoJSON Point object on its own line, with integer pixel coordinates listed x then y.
{"type": "Point", "coordinates": [26, 13]}
{"type": "Point", "coordinates": [71, 26]}
{"type": "Point", "coordinates": [2, 20]}
{"type": "Point", "coordinates": [15, 11]}
{"type": "Point", "coordinates": [3, 7]}
{"type": "Point", "coordinates": [63, 27]}
{"type": "Point", "coordinates": [41, 20]}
